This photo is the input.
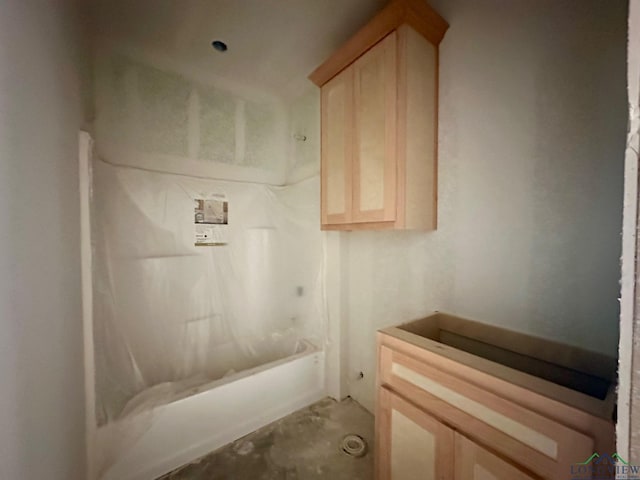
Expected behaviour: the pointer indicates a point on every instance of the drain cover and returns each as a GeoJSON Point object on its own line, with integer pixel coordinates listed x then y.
{"type": "Point", "coordinates": [354, 445]}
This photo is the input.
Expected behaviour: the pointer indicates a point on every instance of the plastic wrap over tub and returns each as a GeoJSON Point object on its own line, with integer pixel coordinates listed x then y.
{"type": "Point", "coordinates": [169, 315]}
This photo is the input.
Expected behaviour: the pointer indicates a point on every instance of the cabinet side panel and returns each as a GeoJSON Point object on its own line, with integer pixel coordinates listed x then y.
{"type": "Point", "coordinates": [421, 91]}
{"type": "Point", "coordinates": [383, 435]}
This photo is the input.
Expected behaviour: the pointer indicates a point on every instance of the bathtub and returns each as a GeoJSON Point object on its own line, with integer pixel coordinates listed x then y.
{"type": "Point", "coordinates": [153, 443]}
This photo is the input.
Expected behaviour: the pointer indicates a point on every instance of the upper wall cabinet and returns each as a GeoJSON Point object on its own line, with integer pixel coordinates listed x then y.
{"type": "Point", "coordinates": [379, 112]}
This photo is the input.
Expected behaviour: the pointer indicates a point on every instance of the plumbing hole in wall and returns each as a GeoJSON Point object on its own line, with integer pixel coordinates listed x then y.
{"type": "Point", "coordinates": [354, 445]}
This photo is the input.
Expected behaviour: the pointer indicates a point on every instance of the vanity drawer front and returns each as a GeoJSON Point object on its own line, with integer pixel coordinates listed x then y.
{"type": "Point", "coordinates": [532, 440]}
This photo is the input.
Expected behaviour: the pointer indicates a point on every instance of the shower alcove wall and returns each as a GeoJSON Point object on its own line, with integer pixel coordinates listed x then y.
{"type": "Point", "coordinates": [190, 347]}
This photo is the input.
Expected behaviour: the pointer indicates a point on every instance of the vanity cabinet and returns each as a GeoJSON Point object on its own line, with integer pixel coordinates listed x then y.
{"type": "Point", "coordinates": [379, 97]}
{"type": "Point", "coordinates": [416, 446]}
{"type": "Point", "coordinates": [461, 400]}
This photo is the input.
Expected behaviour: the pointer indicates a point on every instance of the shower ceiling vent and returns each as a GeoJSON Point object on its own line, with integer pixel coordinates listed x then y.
{"type": "Point", "coordinates": [219, 45]}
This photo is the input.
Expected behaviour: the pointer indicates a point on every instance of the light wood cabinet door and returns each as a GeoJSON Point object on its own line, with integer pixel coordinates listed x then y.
{"type": "Point", "coordinates": [379, 142]}
{"type": "Point", "coordinates": [374, 155]}
{"type": "Point", "coordinates": [337, 128]}
{"type": "Point", "coordinates": [472, 462]}
{"type": "Point", "coordinates": [540, 444]}
{"type": "Point", "coordinates": [411, 444]}
{"type": "Point", "coordinates": [392, 107]}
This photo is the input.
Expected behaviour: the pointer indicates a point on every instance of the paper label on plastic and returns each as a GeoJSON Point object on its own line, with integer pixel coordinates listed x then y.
{"type": "Point", "coordinates": [211, 220]}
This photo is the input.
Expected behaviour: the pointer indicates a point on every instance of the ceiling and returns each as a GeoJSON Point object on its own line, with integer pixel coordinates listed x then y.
{"type": "Point", "coordinates": [273, 44]}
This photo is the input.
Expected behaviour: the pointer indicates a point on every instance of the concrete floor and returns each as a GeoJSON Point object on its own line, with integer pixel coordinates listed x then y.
{"type": "Point", "coordinates": [305, 445]}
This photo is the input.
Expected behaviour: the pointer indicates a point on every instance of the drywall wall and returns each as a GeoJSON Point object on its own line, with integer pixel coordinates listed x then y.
{"type": "Point", "coordinates": [532, 132]}
{"type": "Point", "coordinates": [628, 427]}
{"type": "Point", "coordinates": [304, 136]}
{"type": "Point", "coordinates": [41, 367]}
{"type": "Point", "coordinates": [155, 118]}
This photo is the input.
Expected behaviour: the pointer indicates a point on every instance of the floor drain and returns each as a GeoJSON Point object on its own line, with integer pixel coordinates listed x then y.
{"type": "Point", "coordinates": [354, 445]}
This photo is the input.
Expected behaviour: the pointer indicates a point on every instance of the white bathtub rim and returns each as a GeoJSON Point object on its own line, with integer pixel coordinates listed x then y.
{"type": "Point", "coordinates": [214, 443]}
{"type": "Point", "coordinates": [309, 349]}
{"type": "Point", "coordinates": [130, 468]}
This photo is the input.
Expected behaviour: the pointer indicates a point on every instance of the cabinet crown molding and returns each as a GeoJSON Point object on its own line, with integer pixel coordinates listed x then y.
{"type": "Point", "coordinates": [416, 13]}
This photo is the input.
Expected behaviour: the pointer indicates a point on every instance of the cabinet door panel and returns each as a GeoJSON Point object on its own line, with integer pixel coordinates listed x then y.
{"type": "Point", "coordinates": [337, 121]}
{"type": "Point", "coordinates": [542, 445]}
{"type": "Point", "coordinates": [375, 133]}
{"type": "Point", "coordinates": [475, 463]}
{"type": "Point", "coordinates": [411, 444]}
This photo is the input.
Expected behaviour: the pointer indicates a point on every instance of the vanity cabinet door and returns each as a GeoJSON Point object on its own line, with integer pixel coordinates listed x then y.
{"type": "Point", "coordinates": [475, 463]}
{"type": "Point", "coordinates": [337, 128]}
{"type": "Point", "coordinates": [542, 445]}
{"type": "Point", "coordinates": [411, 445]}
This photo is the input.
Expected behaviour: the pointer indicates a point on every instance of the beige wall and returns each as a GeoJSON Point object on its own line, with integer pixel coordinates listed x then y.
{"type": "Point", "coordinates": [42, 399]}
{"type": "Point", "coordinates": [532, 131]}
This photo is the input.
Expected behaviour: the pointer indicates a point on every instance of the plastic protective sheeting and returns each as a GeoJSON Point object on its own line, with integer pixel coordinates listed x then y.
{"type": "Point", "coordinates": [170, 316]}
